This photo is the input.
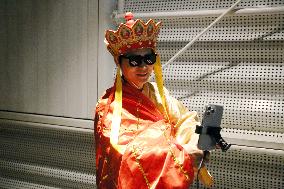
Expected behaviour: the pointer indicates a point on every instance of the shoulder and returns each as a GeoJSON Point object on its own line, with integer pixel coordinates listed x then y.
{"type": "Point", "coordinates": [104, 98]}
{"type": "Point", "coordinates": [107, 93]}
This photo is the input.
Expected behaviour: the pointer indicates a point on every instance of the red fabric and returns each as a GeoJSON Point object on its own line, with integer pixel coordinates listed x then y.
{"type": "Point", "coordinates": [152, 141]}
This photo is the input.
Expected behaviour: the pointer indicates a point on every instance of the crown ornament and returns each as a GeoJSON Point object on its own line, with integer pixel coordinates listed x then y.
{"type": "Point", "coordinates": [132, 35]}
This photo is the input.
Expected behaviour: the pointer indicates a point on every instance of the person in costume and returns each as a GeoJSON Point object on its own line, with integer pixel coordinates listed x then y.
{"type": "Point", "coordinates": [144, 137]}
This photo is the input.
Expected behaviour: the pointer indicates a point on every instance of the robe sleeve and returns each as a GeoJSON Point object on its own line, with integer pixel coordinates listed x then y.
{"type": "Point", "coordinates": [184, 121]}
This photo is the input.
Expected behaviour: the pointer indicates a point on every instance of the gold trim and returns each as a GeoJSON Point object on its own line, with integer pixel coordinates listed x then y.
{"type": "Point", "coordinates": [175, 158]}
{"type": "Point", "coordinates": [134, 151]}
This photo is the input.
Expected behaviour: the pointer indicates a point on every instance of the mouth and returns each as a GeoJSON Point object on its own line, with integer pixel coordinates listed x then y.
{"type": "Point", "coordinates": [142, 74]}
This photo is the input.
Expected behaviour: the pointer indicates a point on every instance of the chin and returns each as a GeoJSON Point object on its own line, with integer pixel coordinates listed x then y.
{"type": "Point", "coordinates": [143, 81]}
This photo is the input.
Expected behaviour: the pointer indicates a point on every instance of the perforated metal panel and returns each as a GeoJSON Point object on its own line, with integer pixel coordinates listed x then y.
{"type": "Point", "coordinates": [252, 94]}
{"type": "Point", "coordinates": [247, 167]}
{"type": "Point", "coordinates": [257, 27]}
{"type": "Point", "coordinates": [39, 156]}
{"type": "Point", "coordinates": [228, 52]}
{"type": "Point", "coordinates": [238, 63]}
{"type": "Point", "coordinates": [177, 5]}
{"type": "Point", "coordinates": [16, 184]}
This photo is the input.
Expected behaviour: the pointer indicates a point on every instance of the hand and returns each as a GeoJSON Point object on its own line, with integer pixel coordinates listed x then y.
{"type": "Point", "coordinates": [195, 152]}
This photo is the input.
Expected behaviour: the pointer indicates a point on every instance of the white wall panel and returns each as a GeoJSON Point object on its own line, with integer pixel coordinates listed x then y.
{"type": "Point", "coordinates": [51, 57]}
{"type": "Point", "coordinates": [106, 63]}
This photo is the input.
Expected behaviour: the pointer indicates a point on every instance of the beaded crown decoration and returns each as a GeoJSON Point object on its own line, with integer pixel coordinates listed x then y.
{"type": "Point", "coordinates": [132, 35]}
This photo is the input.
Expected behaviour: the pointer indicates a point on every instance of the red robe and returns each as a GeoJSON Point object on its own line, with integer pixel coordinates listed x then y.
{"type": "Point", "coordinates": [152, 157]}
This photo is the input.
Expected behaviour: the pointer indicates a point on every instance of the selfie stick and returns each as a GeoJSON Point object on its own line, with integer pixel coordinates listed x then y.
{"type": "Point", "coordinates": [209, 133]}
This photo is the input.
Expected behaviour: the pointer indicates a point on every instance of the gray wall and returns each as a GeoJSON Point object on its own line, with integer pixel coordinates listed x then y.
{"type": "Point", "coordinates": [49, 56]}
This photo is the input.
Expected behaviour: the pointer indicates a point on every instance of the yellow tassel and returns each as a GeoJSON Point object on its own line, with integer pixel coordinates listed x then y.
{"type": "Point", "coordinates": [115, 125]}
{"type": "Point", "coordinates": [160, 82]}
{"type": "Point", "coordinates": [205, 177]}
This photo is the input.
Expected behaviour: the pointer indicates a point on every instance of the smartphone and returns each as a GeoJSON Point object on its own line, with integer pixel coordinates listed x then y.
{"type": "Point", "coordinates": [211, 121]}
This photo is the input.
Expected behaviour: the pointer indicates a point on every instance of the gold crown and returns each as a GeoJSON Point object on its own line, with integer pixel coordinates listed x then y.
{"type": "Point", "coordinates": [132, 35]}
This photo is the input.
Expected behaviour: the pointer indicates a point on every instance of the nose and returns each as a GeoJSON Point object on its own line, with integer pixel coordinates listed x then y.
{"type": "Point", "coordinates": [143, 64]}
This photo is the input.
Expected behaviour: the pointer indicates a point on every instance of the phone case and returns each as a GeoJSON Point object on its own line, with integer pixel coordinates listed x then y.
{"type": "Point", "coordinates": [211, 118]}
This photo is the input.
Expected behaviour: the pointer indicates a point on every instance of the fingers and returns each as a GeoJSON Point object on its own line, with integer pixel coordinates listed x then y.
{"type": "Point", "coordinates": [198, 155]}
{"type": "Point", "coordinates": [195, 152]}
{"type": "Point", "coordinates": [197, 159]}
{"type": "Point", "coordinates": [206, 157]}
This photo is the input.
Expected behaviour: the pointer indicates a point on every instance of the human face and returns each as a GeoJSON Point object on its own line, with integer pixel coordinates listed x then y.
{"type": "Point", "coordinates": [138, 75]}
